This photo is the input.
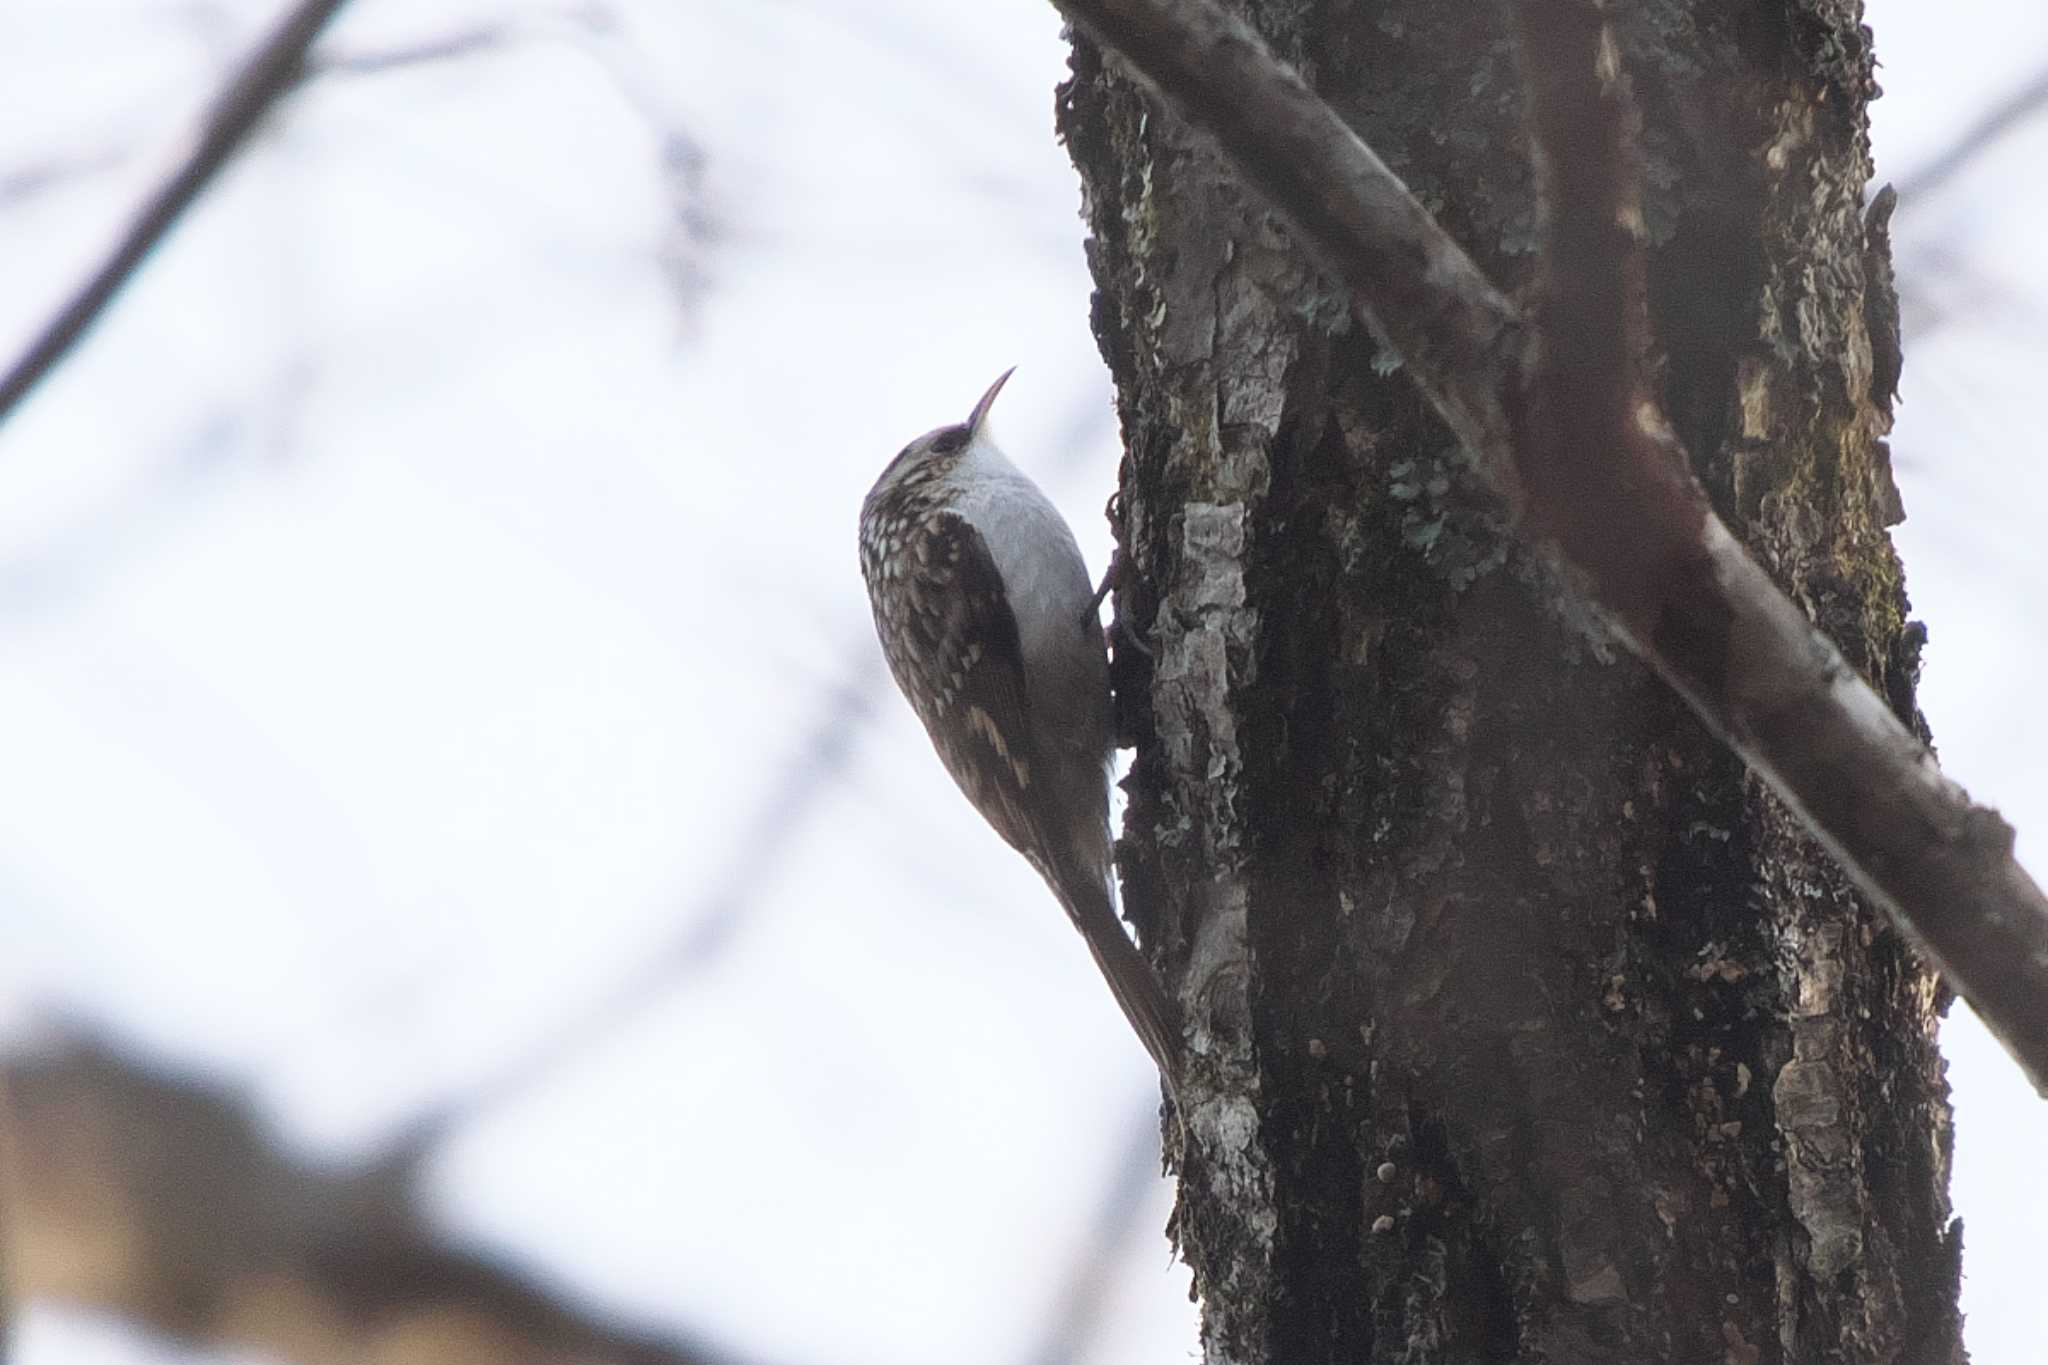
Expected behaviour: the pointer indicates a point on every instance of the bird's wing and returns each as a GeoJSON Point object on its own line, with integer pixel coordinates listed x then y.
{"type": "Point", "coordinates": [962, 666]}
{"type": "Point", "coordinates": [957, 656]}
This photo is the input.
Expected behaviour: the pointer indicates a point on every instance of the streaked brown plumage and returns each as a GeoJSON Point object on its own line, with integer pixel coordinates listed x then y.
{"type": "Point", "coordinates": [987, 618]}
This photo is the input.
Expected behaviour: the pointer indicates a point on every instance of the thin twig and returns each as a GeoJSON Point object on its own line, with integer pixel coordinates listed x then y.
{"type": "Point", "coordinates": [1084, 1299]}
{"type": "Point", "coordinates": [271, 70]}
{"type": "Point", "coordinates": [38, 177]}
{"type": "Point", "coordinates": [426, 52]}
{"type": "Point", "coordinates": [1678, 588]}
{"type": "Point", "coordinates": [590, 22]}
{"type": "Point", "coordinates": [2001, 118]}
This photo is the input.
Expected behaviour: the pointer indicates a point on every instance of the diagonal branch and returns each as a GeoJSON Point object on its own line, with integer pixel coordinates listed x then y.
{"type": "Point", "coordinates": [1416, 288]}
{"type": "Point", "coordinates": [1558, 425]}
{"type": "Point", "coordinates": [271, 70]}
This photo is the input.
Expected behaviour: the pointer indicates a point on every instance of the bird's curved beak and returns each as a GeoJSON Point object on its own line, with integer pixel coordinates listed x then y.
{"type": "Point", "coordinates": [988, 400]}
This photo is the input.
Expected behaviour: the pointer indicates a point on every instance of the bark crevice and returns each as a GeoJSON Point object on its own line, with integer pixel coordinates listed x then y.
{"type": "Point", "coordinates": [1497, 954]}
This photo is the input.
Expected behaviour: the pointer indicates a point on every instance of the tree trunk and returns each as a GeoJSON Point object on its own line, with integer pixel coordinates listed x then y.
{"type": "Point", "coordinates": [1526, 1026]}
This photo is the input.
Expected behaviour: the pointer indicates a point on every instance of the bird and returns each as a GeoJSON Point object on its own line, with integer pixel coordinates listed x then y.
{"type": "Point", "coordinates": [989, 623]}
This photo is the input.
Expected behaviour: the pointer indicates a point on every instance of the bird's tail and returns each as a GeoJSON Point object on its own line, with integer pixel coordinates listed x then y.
{"type": "Point", "coordinates": [1145, 1003]}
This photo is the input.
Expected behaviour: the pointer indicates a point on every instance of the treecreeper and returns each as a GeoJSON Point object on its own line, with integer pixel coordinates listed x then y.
{"type": "Point", "coordinates": [989, 622]}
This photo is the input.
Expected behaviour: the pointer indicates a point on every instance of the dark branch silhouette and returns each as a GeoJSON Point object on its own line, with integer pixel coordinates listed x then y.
{"type": "Point", "coordinates": [587, 21]}
{"type": "Point", "coordinates": [1607, 488]}
{"type": "Point", "coordinates": [1415, 287]}
{"type": "Point", "coordinates": [263, 79]}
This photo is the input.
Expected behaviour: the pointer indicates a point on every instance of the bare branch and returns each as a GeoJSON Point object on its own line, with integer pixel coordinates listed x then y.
{"type": "Point", "coordinates": [588, 21]}
{"type": "Point", "coordinates": [591, 28]}
{"type": "Point", "coordinates": [271, 70]}
{"type": "Point", "coordinates": [426, 52]}
{"type": "Point", "coordinates": [167, 1201]}
{"type": "Point", "coordinates": [1608, 488]}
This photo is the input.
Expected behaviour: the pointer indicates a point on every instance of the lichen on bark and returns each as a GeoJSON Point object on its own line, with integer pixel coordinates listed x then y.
{"type": "Point", "coordinates": [1526, 1025]}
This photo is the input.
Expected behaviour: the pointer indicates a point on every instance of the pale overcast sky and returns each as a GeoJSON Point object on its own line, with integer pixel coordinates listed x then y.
{"type": "Point", "coordinates": [429, 602]}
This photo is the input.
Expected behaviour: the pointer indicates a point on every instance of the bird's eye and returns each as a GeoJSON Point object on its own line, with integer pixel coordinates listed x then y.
{"type": "Point", "coordinates": [951, 441]}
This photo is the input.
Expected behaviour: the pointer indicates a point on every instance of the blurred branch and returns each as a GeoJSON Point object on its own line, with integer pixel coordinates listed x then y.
{"type": "Point", "coordinates": [1084, 1300]}
{"type": "Point", "coordinates": [271, 70]}
{"type": "Point", "coordinates": [428, 51]}
{"type": "Point", "coordinates": [592, 29]}
{"type": "Point", "coordinates": [2002, 118]}
{"type": "Point", "coordinates": [277, 65]}
{"type": "Point", "coordinates": [165, 1200]}
{"type": "Point", "coordinates": [588, 20]}
{"type": "Point", "coordinates": [705, 926]}
{"type": "Point", "coordinates": [26, 182]}
{"type": "Point", "coordinates": [1938, 286]}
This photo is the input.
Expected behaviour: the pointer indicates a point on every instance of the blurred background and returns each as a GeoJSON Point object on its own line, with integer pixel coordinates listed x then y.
{"type": "Point", "coordinates": [454, 813]}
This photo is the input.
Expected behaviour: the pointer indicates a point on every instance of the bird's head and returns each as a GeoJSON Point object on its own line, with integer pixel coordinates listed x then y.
{"type": "Point", "coordinates": [939, 449]}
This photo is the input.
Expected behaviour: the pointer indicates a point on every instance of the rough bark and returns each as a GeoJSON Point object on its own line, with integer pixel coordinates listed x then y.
{"type": "Point", "coordinates": [1526, 1025]}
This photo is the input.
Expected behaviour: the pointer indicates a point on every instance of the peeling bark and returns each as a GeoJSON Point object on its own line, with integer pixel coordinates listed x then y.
{"type": "Point", "coordinates": [1525, 1024]}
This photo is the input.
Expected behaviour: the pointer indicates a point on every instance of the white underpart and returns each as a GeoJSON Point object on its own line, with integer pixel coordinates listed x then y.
{"type": "Point", "coordinates": [1044, 576]}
